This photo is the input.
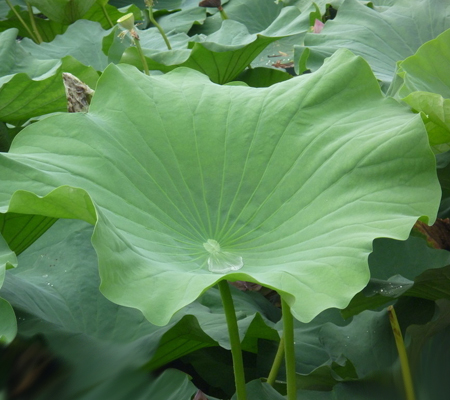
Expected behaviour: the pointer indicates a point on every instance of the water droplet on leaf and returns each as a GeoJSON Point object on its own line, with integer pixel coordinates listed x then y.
{"type": "Point", "coordinates": [221, 261]}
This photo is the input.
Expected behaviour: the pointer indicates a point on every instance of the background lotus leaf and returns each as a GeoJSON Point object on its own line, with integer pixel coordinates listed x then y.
{"type": "Point", "coordinates": [426, 86]}
{"type": "Point", "coordinates": [382, 37]}
{"type": "Point", "coordinates": [82, 40]}
{"type": "Point", "coordinates": [409, 268]}
{"type": "Point", "coordinates": [256, 15]}
{"type": "Point", "coordinates": [63, 11]}
{"type": "Point", "coordinates": [170, 162]}
{"type": "Point", "coordinates": [47, 29]}
{"type": "Point", "coordinates": [225, 53]}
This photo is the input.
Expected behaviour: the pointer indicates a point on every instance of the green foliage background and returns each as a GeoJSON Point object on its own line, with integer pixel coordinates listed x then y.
{"type": "Point", "coordinates": [315, 180]}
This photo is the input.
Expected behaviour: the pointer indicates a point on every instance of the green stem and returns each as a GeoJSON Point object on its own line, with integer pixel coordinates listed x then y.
{"type": "Point", "coordinates": [230, 315]}
{"type": "Point", "coordinates": [276, 363]}
{"type": "Point", "coordinates": [406, 372]}
{"type": "Point", "coordinates": [161, 31]}
{"type": "Point", "coordinates": [288, 334]}
{"type": "Point", "coordinates": [141, 54]}
{"type": "Point", "coordinates": [223, 14]}
{"type": "Point", "coordinates": [105, 13]}
{"type": "Point", "coordinates": [22, 21]}
{"type": "Point", "coordinates": [33, 23]}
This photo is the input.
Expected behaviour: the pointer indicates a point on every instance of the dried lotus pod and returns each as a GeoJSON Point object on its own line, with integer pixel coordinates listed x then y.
{"type": "Point", "coordinates": [78, 93]}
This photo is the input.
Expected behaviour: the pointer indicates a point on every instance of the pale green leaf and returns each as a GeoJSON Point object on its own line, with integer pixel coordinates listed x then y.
{"type": "Point", "coordinates": [172, 161]}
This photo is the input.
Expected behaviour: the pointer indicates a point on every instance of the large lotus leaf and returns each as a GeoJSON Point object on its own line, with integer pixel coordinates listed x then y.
{"type": "Point", "coordinates": [63, 11]}
{"type": "Point", "coordinates": [227, 52]}
{"type": "Point", "coordinates": [426, 86]}
{"type": "Point", "coordinates": [297, 179]}
{"type": "Point", "coordinates": [382, 38]}
{"type": "Point", "coordinates": [82, 40]}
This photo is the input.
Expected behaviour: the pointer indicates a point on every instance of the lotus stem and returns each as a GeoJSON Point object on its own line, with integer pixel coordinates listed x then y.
{"type": "Point", "coordinates": [105, 13]}
{"type": "Point", "coordinates": [127, 23]}
{"type": "Point", "coordinates": [404, 364]}
{"type": "Point", "coordinates": [223, 14]}
{"type": "Point", "coordinates": [233, 332]}
{"type": "Point", "coordinates": [288, 334]}
{"type": "Point", "coordinates": [33, 23]}
{"type": "Point", "coordinates": [276, 363]}
{"type": "Point", "coordinates": [153, 21]}
{"type": "Point", "coordinates": [22, 22]}
{"type": "Point", "coordinates": [141, 54]}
